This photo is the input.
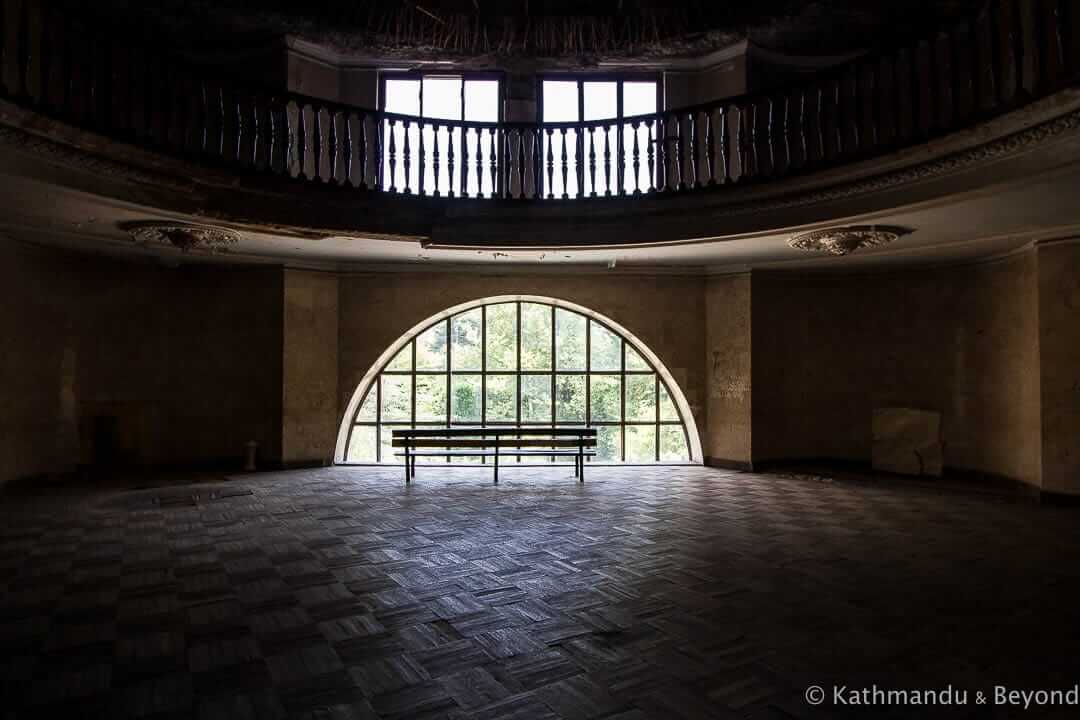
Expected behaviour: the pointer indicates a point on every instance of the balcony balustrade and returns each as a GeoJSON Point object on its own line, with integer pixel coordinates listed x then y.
{"type": "Point", "coordinates": [1011, 53]}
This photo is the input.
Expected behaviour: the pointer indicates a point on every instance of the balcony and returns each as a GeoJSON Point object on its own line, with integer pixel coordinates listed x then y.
{"type": "Point", "coordinates": [70, 74]}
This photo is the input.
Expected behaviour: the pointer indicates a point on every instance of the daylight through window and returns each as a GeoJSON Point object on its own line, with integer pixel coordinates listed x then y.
{"type": "Point", "coordinates": [522, 363]}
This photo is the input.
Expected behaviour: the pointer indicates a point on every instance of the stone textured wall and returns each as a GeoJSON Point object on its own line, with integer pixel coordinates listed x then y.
{"type": "Point", "coordinates": [1059, 344]}
{"type": "Point", "coordinates": [828, 348]}
{"type": "Point", "coordinates": [125, 363]}
{"type": "Point", "coordinates": [727, 370]}
{"type": "Point", "coordinates": [309, 367]}
{"type": "Point", "coordinates": [665, 312]}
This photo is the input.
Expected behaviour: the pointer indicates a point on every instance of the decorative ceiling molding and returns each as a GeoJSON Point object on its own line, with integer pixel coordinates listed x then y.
{"type": "Point", "coordinates": [848, 239]}
{"type": "Point", "coordinates": [186, 237]}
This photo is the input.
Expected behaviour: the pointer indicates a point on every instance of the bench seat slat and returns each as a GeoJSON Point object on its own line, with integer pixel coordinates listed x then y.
{"type": "Point", "coordinates": [491, 453]}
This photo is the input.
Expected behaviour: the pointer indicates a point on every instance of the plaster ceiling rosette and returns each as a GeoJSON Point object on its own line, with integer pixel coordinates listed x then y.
{"type": "Point", "coordinates": [847, 239]}
{"type": "Point", "coordinates": [186, 237]}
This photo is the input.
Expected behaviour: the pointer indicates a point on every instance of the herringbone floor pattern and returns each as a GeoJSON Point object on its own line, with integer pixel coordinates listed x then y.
{"type": "Point", "coordinates": [676, 592]}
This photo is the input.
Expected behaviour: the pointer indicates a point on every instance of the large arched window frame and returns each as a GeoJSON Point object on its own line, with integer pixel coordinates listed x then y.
{"type": "Point", "coordinates": [387, 395]}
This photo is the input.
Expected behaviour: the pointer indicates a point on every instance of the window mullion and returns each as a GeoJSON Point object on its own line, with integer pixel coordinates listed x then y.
{"type": "Point", "coordinates": [622, 400]}
{"type": "Point", "coordinates": [378, 418]}
{"type": "Point", "coordinates": [483, 372]}
{"type": "Point", "coordinates": [449, 375]}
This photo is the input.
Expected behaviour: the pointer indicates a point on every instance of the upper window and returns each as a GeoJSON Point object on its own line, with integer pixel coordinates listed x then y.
{"type": "Point", "coordinates": [521, 363]}
{"type": "Point", "coordinates": [604, 149]}
{"type": "Point", "coordinates": [454, 170]}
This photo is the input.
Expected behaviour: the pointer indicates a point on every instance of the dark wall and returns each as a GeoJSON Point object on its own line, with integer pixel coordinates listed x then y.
{"type": "Point", "coordinates": [112, 363]}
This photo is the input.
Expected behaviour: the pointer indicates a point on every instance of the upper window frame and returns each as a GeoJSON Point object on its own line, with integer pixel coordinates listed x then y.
{"type": "Point", "coordinates": [419, 75]}
{"type": "Point", "coordinates": [620, 78]}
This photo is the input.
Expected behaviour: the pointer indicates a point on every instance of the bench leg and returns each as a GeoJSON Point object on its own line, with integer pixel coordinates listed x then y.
{"type": "Point", "coordinates": [581, 463]}
{"type": "Point", "coordinates": [413, 471]}
{"type": "Point", "coordinates": [407, 467]}
{"type": "Point", "coordinates": [496, 465]}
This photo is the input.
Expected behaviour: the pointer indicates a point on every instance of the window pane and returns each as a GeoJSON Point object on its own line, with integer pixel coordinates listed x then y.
{"type": "Point", "coordinates": [366, 413]}
{"type": "Point", "coordinates": [431, 398]}
{"type": "Point", "coordinates": [482, 101]}
{"type": "Point", "coordinates": [634, 361]}
{"type": "Point", "coordinates": [608, 442]}
{"type": "Point", "coordinates": [465, 332]}
{"type": "Point", "coordinates": [442, 97]}
{"type": "Point", "coordinates": [560, 100]}
{"type": "Point", "coordinates": [606, 348]}
{"type": "Point", "coordinates": [536, 398]}
{"type": "Point", "coordinates": [570, 398]}
{"type": "Point", "coordinates": [667, 407]}
{"type": "Point", "coordinates": [396, 397]}
{"type": "Point", "coordinates": [403, 360]}
{"type": "Point", "coordinates": [402, 96]}
{"type": "Point", "coordinates": [535, 337]}
{"type": "Point", "coordinates": [502, 337]}
{"type": "Point", "coordinates": [431, 348]}
{"type": "Point", "coordinates": [569, 340]}
{"type": "Point", "coordinates": [640, 443]}
{"type": "Point", "coordinates": [385, 437]}
{"type": "Point", "coordinates": [641, 397]}
{"type": "Point", "coordinates": [606, 397]}
{"type": "Point", "coordinates": [465, 406]}
{"type": "Point", "coordinates": [673, 444]}
{"type": "Point", "coordinates": [501, 398]}
{"type": "Point", "coordinates": [601, 100]}
{"type": "Point", "coordinates": [361, 444]}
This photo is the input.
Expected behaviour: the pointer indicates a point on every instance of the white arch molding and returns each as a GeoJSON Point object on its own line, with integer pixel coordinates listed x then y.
{"type": "Point", "coordinates": [675, 392]}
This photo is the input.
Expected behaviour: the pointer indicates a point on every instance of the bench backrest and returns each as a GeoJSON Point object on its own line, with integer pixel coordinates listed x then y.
{"type": "Point", "coordinates": [494, 432]}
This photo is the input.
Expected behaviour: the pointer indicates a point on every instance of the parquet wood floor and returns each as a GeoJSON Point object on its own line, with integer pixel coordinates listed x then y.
{"type": "Point", "coordinates": [659, 592]}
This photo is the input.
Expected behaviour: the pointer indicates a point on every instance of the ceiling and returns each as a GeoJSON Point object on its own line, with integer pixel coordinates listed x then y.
{"type": "Point", "coordinates": [504, 31]}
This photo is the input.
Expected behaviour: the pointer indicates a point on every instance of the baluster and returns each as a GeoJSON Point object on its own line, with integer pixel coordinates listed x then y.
{"type": "Point", "coordinates": [651, 125]}
{"type": "Point", "coordinates": [202, 140]}
{"type": "Point", "coordinates": [332, 148]}
{"type": "Point", "coordinates": [301, 140]}
{"type": "Point", "coordinates": [450, 161]}
{"type": "Point", "coordinates": [316, 142]}
{"type": "Point", "coordinates": [636, 159]}
{"type": "Point", "coordinates": [45, 50]}
{"type": "Point", "coordinates": [493, 162]}
{"type": "Point", "coordinates": [661, 153]}
{"type": "Point", "coordinates": [753, 160]}
{"type": "Point", "coordinates": [537, 171]}
{"type": "Point", "coordinates": [607, 158]}
{"type": "Point", "coordinates": [710, 147]}
{"type": "Point", "coordinates": [22, 56]}
{"type": "Point", "coordinates": [480, 162]}
{"type": "Point", "coordinates": [347, 179]}
{"type": "Point", "coordinates": [464, 162]}
{"type": "Point", "coordinates": [521, 162]}
{"type": "Point", "coordinates": [256, 131]}
{"type": "Point", "coordinates": [510, 174]}
{"type": "Point", "coordinates": [565, 168]}
{"type": "Point", "coordinates": [592, 159]}
{"type": "Point", "coordinates": [677, 154]}
{"type": "Point", "coordinates": [692, 149]}
{"type": "Point", "coordinates": [434, 157]}
{"type": "Point", "coordinates": [725, 148]}
{"type": "Point", "coordinates": [800, 139]}
{"type": "Point", "coordinates": [278, 157]}
{"type": "Point", "coordinates": [550, 165]}
{"type": "Point", "coordinates": [579, 160]}
{"type": "Point", "coordinates": [361, 139]}
{"type": "Point", "coordinates": [406, 156]}
{"type": "Point", "coordinates": [422, 154]}
{"type": "Point", "coordinates": [393, 155]}
{"type": "Point", "coordinates": [380, 126]}
{"type": "Point", "coordinates": [241, 135]}
{"type": "Point", "coordinates": [289, 127]}
{"type": "Point", "coordinates": [1053, 38]}
{"type": "Point", "coordinates": [782, 161]}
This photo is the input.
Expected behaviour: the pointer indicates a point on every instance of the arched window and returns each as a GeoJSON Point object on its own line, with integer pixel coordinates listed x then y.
{"type": "Point", "coordinates": [520, 361]}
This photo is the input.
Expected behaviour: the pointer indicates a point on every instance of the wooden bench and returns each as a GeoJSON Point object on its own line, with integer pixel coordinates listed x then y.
{"type": "Point", "coordinates": [573, 442]}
